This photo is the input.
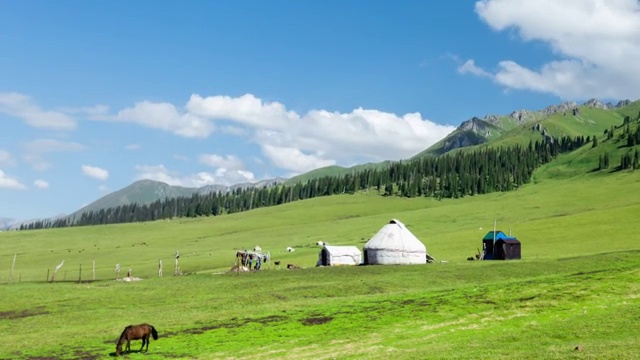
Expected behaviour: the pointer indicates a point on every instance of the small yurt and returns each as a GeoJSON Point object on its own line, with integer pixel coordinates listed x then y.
{"type": "Point", "coordinates": [394, 244]}
{"type": "Point", "coordinates": [339, 255]}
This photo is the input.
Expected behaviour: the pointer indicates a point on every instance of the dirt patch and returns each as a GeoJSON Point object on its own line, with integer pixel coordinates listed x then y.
{"type": "Point", "coordinates": [316, 320]}
{"type": "Point", "coordinates": [234, 323]}
{"type": "Point", "coordinates": [19, 314]}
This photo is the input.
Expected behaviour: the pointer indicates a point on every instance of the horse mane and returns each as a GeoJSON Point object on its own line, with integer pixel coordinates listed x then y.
{"type": "Point", "coordinates": [154, 333]}
{"type": "Point", "coordinates": [122, 337]}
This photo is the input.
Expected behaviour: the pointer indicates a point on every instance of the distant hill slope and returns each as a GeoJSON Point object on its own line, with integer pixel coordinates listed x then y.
{"type": "Point", "coordinates": [6, 223]}
{"type": "Point", "coordinates": [334, 171]}
{"type": "Point", "coordinates": [141, 192]}
{"type": "Point", "coordinates": [145, 192]}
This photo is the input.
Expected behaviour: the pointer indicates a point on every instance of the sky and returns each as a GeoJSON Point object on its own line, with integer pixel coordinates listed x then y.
{"type": "Point", "coordinates": [95, 95]}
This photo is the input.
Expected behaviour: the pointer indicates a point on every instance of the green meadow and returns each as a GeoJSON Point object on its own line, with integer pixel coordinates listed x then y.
{"type": "Point", "coordinates": [574, 294]}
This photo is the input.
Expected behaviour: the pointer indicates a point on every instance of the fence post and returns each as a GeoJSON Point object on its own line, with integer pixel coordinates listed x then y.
{"type": "Point", "coordinates": [94, 270]}
{"type": "Point", "coordinates": [80, 274]}
{"type": "Point", "coordinates": [12, 266]}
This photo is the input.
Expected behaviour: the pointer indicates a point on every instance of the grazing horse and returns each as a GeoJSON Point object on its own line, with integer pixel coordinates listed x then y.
{"type": "Point", "coordinates": [136, 332]}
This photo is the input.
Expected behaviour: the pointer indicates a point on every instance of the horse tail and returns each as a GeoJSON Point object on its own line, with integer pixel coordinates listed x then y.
{"type": "Point", "coordinates": [154, 333]}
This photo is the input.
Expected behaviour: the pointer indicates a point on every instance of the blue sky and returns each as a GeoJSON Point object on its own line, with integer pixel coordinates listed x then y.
{"type": "Point", "coordinates": [95, 95]}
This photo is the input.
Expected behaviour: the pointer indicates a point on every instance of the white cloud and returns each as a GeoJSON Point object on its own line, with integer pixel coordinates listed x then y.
{"type": "Point", "coordinates": [293, 159]}
{"type": "Point", "coordinates": [291, 141]}
{"type": "Point", "coordinates": [221, 176]}
{"type": "Point", "coordinates": [246, 109]}
{"type": "Point", "coordinates": [95, 172]}
{"type": "Point", "coordinates": [596, 42]}
{"type": "Point", "coordinates": [41, 184]}
{"type": "Point", "coordinates": [470, 67]}
{"type": "Point", "coordinates": [22, 107]}
{"type": "Point", "coordinates": [217, 161]}
{"type": "Point", "coordinates": [323, 138]}
{"type": "Point", "coordinates": [35, 151]}
{"type": "Point", "coordinates": [133, 147]}
{"type": "Point", "coordinates": [103, 188]}
{"type": "Point", "coordinates": [9, 182]}
{"type": "Point", "coordinates": [167, 117]}
{"type": "Point", "coordinates": [6, 158]}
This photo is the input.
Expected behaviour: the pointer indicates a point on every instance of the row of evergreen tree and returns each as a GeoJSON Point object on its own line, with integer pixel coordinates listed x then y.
{"type": "Point", "coordinates": [449, 176]}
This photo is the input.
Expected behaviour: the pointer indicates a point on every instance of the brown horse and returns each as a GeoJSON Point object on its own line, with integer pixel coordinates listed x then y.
{"type": "Point", "coordinates": [136, 332]}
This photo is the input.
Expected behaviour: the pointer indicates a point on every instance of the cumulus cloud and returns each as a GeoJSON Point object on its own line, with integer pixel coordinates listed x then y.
{"type": "Point", "coordinates": [9, 182]}
{"type": "Point", "coordinates": [6, 158]}
{"type": "Point", "coordinates": [95, 172]}
{"type": "Point", "coordinates": [41, 184]}
{"type": "Point", "coordinates": [595, 41]}
{"type": "Point", "coordinates": [323, 138]}
{"type": "Point", "coordinates": [221, 176]}
{"type": "Point", "coordinates": [246, 109]}
{"type": "Point", "coordinates": [217, 161]}
{"type": "Point", "coordinates": [289, 140]}
{"type": "Point", "coordinates": [23, 107]}
{"type": "Point", "coordinates": [293, 159]}
{"type": "Point", "coordinates": [165, 116]}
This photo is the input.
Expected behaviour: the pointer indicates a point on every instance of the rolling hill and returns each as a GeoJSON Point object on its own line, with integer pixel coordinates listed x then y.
{"type": "Point", "coordinates": [591, 119]}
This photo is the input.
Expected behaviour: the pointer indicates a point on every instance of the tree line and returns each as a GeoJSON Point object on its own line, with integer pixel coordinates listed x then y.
{"type": "Point", "coordinates": [453, 175]}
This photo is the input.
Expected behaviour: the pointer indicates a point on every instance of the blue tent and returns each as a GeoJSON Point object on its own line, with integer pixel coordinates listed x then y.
{"type": "Point", "coordinates": [498, 246]}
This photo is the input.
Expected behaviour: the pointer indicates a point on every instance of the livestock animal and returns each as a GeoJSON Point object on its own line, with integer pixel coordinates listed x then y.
{"type": "Point", "coordinates": [136, 332]}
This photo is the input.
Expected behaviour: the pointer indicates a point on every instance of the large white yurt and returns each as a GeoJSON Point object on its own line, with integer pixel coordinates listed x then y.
{"type": "Point", "coordinates": [394, 244]}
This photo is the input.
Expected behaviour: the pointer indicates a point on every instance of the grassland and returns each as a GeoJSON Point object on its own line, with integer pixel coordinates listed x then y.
{"type": "Point", "coordinates": [577, 284]}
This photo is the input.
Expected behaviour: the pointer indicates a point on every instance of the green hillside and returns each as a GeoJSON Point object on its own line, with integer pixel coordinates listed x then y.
{"type": "Point", "coordinates": [577, 256]}
{"type": "Point", "coordinates": [506, 130]}
{"type": "Point", "coordinates": [334, 171]}
{"type": "Point", "coordinates": [579, 271]}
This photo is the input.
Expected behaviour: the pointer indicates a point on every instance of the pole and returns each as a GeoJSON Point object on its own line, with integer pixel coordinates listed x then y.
{"type": "Point", "coordinates": [94, 270]}
{"type": "Point", "coordinates": [80, 274]}
{"type": "Point", "coordinates": [12, 266]}
{"type": "Point", "coordinates": [494, 231]}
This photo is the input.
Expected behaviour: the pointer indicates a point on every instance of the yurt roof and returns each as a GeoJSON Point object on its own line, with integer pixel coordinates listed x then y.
{"type": "Point", "coordinates": [395, 236]}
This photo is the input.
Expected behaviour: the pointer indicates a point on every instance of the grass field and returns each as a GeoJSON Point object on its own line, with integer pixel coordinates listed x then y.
{"type": "Point", "coordinates": [577, 284]}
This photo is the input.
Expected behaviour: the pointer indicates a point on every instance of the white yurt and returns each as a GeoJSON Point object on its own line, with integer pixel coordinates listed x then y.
{"type": "Point", "coordinates": [339, 255]}
{"type": "Point", "coordinates": [394, 244]}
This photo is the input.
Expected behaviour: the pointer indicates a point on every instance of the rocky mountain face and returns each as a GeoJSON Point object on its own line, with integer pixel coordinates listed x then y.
{"type": "Point", "coordinates": [476, 131]}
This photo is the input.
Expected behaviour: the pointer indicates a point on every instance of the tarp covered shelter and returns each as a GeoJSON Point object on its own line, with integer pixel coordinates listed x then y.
{"type": "Point", "coordinates": [498, 246]}
{"type": "Point", "coordinates": [394, 244]}
{"type": "Point", "coordinates": [339, 255]}
{"type": "Point", "coordinates": [507, 249]}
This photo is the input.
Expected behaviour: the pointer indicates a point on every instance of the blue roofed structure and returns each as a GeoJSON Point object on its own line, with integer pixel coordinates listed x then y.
{"type": "Point", "coordinates": [496, 245]}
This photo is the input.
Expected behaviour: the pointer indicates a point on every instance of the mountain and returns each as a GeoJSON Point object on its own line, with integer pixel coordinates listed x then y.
{"type": "Point", "coordinates": [147, 191]}
{"type": "Point", "coordinates": [476, 131]}
{"type": "Point", "coordinates": [6, 223]}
